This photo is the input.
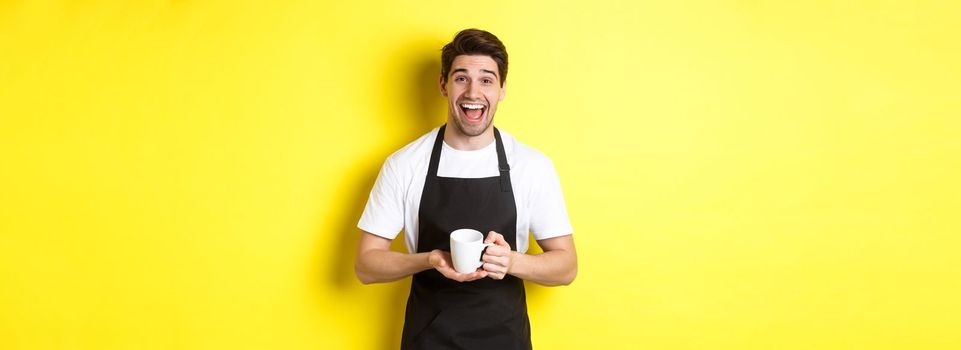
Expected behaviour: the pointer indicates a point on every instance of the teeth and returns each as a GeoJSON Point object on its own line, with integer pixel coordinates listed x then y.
{"type": "Point", "coordinates": [471, 106]}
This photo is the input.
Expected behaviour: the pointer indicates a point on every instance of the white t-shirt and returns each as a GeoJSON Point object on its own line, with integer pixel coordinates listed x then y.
{"type": "Point", "coordinates": [395, 199]}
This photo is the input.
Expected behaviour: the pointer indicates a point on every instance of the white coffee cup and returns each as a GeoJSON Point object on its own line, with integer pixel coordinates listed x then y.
{"type": "Point", "coordinates": [466, 246]}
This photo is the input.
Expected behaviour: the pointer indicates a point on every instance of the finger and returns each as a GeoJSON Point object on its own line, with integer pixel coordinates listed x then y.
{"type": "Point", "coordinates": [497, 239]}
{"type": "Point", "coordinates": [450, 273]}
{"type": "Point", "coordinates": [497, 251]}
{"type": "Point", "coordinates": [473, 276]}
{"type": "Point", "coordinates": [488, 257]}
{"type": "Point", "coordinates": [462, 277]}
{"type": "Point", "coordinates": [495, 259]}
{"type": "Point", "coordinates": [495, 275]}
{"type": "Point", "coordinates": [494, 269]}
{"type": "Point", "coordinates": [477, 275]}
{"type": "Point", "coordinates": [447, 272]}
{"type": "Point", "coordinates": [500, 241]}
{"type": "Point", "coordinates": [459, 277]}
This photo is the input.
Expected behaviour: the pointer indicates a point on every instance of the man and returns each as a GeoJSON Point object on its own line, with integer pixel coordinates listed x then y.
{"type": "Point", "coordinates": [467, 174]}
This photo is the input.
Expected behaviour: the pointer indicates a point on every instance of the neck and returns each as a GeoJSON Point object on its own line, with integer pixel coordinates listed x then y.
{"type": "Point", "coordinates": [457, 140]}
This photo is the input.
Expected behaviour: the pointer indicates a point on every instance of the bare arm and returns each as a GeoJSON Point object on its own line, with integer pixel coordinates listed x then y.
{"type": "Point", "coordinates": [377, 263]}
{"type": "Point", "coordinates": [556, 266]}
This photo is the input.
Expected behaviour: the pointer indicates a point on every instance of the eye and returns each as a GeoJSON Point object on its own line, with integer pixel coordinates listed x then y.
{"type": "Point", "coordinates": [460, 79]}
{"type": "Point", "coordinates": [488, 81]}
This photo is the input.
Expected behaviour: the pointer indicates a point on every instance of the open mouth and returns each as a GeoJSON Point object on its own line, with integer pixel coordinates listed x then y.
{"type": "Point", "coordinates": [473, 111]}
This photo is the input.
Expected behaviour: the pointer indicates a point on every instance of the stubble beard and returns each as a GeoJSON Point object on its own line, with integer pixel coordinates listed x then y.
{"type": "Point", "coordinates": [470, 131]}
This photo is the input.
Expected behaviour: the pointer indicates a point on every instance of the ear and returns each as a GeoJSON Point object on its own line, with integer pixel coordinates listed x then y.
{"type": "Point", "coordinates": [443, 85]}
{"type": "Point", "coordinates": [503, 92]}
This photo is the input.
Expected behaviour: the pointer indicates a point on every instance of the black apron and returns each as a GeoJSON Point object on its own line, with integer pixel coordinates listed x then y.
{"type": "Point", "coordinates": [482, 314]}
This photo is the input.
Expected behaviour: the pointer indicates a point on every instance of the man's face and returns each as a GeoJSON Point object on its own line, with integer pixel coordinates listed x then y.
{"type": "Point", "coordinates": [473, 88]}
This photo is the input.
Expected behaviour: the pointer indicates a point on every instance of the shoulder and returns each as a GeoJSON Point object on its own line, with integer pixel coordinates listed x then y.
{"type": "Point", "coordinates": [412, 156]}
{"type": "Point", "coordinates": [524, 157]}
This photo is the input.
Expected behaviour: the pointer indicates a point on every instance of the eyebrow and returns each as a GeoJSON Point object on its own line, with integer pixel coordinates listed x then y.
{"type": "Point", "coordinates": [464, 70]}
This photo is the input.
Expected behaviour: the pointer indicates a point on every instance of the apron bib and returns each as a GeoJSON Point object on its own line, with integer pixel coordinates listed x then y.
{"type": "Point", "coordinates": [481, 314]}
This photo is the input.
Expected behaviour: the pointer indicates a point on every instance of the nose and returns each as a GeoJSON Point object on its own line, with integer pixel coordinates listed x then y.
{"type": "Point", "coordinates": [472, 91]}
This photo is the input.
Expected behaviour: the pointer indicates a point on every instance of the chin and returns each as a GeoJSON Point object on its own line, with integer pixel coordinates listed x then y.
{"type": "Point", "coordinates": [471, 129]}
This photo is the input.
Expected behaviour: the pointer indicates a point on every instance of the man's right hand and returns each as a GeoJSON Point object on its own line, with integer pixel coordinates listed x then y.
{"type": "Point", "coordinates": [442, 262]}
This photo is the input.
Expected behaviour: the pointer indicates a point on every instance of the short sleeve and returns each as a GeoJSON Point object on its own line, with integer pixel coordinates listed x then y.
{"type": "Point", "coordinates": [548, 211]}
{"type": "Point", "coordinates": [384, 213]}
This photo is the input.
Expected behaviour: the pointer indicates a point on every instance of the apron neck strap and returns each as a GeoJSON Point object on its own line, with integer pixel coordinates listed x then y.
{"type": "Point", "coordinates": [435, 153]}
{"type": "Point", "coordinates": [503, 167]}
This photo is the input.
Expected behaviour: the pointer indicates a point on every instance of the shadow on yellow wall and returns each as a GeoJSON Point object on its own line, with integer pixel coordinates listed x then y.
{"type": "Point", "coordinates": [425, 112]}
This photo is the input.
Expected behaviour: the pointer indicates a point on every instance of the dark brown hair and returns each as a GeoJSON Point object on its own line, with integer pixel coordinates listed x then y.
{"type": "Point", "coordinates": [475, 42]}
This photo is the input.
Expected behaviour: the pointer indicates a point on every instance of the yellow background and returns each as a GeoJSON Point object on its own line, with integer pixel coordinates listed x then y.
{"type": "Point", "coordinates": [740, 174]}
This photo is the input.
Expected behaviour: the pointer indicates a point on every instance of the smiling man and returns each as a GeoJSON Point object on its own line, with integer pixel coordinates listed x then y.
{"type": "Point", "coordinates": [467, 174]}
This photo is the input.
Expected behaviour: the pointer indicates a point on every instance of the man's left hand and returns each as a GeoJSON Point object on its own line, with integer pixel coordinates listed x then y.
{"type": "Point", "coordinates": [498, 258]}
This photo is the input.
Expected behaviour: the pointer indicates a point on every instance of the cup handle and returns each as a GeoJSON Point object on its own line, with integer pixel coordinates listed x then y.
{"type": "Point", "coordinates": [485, 248]}
{"type": "Point", "coordinates": [483, 251]}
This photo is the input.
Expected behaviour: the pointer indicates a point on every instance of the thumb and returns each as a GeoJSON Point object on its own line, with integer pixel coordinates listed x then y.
{"type": "Point", "coordinates": [438, 259]}
{"type": "Point", "coordinates": [497, 239]}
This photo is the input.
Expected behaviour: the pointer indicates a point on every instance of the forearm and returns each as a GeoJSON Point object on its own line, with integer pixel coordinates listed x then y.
{"type": "Point", "coordinates": [381, 265]}
{"type": "Point", "coordinates": [552, 268]}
